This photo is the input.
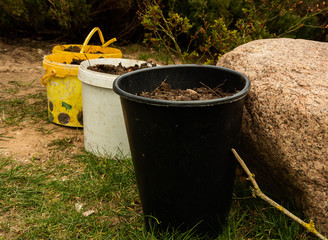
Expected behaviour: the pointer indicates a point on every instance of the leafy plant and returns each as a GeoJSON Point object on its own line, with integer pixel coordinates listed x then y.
{"type": "Point", "coordinates": [67, 18]}
{"type": "Point", "coordinates": [69, 13]}
{"type": "Point", "coordinates": [27, 13]}
{"type": "Point", "coordinates": [164, 31]}
{"type": "Point", "coordinates": [205, 34]}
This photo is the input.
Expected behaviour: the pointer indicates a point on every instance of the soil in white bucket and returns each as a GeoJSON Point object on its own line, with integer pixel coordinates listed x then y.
{"type": "Point", "coordinates": [104, 129]}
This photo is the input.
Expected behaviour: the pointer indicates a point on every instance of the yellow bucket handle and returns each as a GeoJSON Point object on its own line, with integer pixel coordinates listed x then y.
{"type": "Point", "coordinates": [47, 75]}
{"type": "Point", "coordinates": [96, 29]}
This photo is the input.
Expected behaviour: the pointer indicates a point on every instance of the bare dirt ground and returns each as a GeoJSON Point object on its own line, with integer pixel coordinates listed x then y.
{"type": "Point", "coordinates": [21, 63]}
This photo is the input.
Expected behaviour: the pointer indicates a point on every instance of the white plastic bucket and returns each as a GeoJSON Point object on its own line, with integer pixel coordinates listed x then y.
{"type": "Point", "coordinates": [103, 123]}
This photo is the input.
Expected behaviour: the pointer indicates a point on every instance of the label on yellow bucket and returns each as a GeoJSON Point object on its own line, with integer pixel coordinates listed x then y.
{"type": "Point", "coordinates": [65, 101]}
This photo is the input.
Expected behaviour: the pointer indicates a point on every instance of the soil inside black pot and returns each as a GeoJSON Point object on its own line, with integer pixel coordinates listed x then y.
{"type": "Point", "coordinates": [165, 92]}
{"type": "Point", "coordinates": [119, 69]}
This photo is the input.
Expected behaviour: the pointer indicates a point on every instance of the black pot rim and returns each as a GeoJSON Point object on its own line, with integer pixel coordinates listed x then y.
{"type": "Point", "coordinates": [229, 99]}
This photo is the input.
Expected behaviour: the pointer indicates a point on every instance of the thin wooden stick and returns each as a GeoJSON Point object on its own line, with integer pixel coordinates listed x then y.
{"type": "Point", "coordinates": [210, 89]}
{"type": "Point", "coordinates": [257, 191]}
{"type": "Point", "coordinates": [119, 161]}
{"type": "Point", "coordinates": [220, 85]}
{"type": "Point", "coordinates": [161, 83]}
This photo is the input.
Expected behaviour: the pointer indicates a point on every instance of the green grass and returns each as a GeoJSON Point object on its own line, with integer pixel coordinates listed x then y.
{"type": "Point", "coordinates": [18, 108]}
{"type": "Point", "coordinates": [31, 106]}
{"type": "Point", "coordinates": [16, 86]}
{"type": "Point", "coordinates": [144, 56]}
{"type": "Point", "coordinates": [43, 197]}
{"type": "Point", "coordinates": [48, 200]}
{"type": "Point", "coordinates": [61, 144]}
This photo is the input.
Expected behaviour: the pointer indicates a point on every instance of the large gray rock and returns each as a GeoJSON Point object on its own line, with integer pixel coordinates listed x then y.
{"type": "Point", "coordinates": [285, 126]}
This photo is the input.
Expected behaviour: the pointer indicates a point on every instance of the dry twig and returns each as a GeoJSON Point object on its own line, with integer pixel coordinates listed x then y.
{"type": "Point", "coordinates": [161, 84]}
{"type": "Point", "coordinates": [257, 192]}
{"type": "Point", "coordinates": [215, 93]}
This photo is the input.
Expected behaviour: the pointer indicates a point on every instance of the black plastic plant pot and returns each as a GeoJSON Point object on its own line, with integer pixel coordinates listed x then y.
{"type": "Point", "coordinates": [181, 150]}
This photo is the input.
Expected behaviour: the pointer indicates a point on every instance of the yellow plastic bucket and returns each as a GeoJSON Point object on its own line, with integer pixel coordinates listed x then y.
{"type": "Point", "coordinates": [64, 89]}
{"type": "Point", "coordinates": [90, 51]}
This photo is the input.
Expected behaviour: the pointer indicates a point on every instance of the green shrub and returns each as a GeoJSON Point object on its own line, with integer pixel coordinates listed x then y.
{"type": "Point", "coordinates": [71, 18]}
{"type": "Point", "coordinates": [15, 13]}
{"type": "Point", "coordinates": [43, 16]}
{"type": "Point", "coordinates": [206, 29]}
{"type": "Point", "coordinates": [69, 14]}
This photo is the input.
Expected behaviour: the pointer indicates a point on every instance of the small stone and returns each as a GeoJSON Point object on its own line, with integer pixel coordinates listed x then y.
{"type": "Point", "coordinates": [190, 91]}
